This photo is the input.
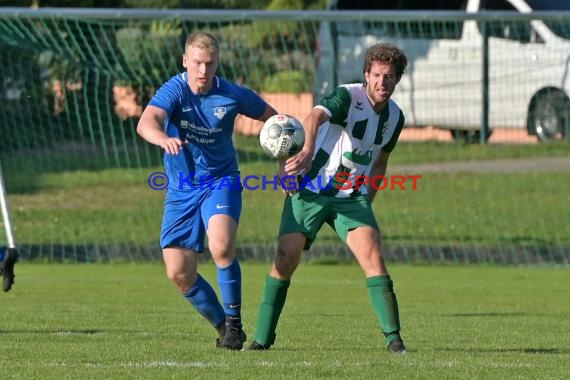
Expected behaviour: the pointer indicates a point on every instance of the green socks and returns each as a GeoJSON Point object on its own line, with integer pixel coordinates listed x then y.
{"type": "Point", "coordinates": [385, 305]}
{"type": "Point", "coordinates": [274, 295]}
{"type": "Point", "coordinates": [381, 293]}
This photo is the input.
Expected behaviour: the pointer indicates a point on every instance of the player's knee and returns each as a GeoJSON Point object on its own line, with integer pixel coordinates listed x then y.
{"type": "Point", "coordinates": [182, 281]}
{"type": "Point", "coordinates": [221, 250]}
{"type": "Point", "coordinates": [224, 258]}
{"type": "Point", "coordinates": [373, 264]}
{"type": "Point", "coordinates": [285, 264]}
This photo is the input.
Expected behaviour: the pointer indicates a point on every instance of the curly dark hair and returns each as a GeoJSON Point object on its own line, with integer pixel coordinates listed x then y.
{"type": "Point", "coordinates": [384, 52]}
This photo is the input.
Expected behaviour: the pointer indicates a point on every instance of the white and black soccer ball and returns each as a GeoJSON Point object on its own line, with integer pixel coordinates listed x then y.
{"type": "Point", "coordinates": [282, 136]}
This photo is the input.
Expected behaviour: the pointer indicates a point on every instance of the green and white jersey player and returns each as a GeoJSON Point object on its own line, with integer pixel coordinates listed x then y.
{"type": "Point", "coordinates": [352, 131]}
{"type": "Point", "coordinates": [346, 144]}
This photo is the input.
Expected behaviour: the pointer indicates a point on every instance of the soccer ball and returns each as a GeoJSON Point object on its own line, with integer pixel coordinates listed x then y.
{"type": "Point", "coordinates": [282, 136]}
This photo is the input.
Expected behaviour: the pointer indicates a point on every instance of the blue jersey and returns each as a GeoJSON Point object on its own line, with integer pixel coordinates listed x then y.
{"type": "Point", "coordinates": [206, 121]}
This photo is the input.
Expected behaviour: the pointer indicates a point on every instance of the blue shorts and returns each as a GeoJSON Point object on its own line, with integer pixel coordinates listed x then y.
{"type": "Point", "coordinates": [186, 213]}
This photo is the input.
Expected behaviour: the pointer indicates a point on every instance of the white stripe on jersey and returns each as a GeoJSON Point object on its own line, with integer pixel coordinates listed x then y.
{"type": "Point", "coordinates": [351, 145]}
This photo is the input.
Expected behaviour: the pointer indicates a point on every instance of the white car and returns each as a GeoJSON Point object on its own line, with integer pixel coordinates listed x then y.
{"type": "Point", "coordinates": [528, 71]}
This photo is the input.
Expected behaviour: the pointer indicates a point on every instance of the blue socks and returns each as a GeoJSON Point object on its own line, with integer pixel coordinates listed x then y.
{"type": "Point", "coordinates": [205, 301]}
{"type": "Point", "coordinates": [229, 281]}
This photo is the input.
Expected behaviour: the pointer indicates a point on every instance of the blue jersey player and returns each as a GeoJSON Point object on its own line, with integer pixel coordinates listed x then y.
{"type": "Point", "coordinates": [192, 118]}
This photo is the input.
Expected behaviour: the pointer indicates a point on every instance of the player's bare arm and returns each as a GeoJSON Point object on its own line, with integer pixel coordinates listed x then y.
{"type": "Point", "coordinates": [150, 128]}
{"type": "Point", "coordinates": [301, 162]}
{"type": "Point", "coordinates": [378, 169]}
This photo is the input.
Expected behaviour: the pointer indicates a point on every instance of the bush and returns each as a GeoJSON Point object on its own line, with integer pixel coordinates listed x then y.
{"type": "Point", "coordinates": [292, 81]}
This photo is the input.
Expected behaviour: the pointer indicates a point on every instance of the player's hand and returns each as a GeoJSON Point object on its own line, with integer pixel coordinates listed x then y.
{"type": "Point", "coordinates": [299, 164]}
{"type": "Point", "coordinates": [287, 182]}
{"type": "Point", "coordinates": [172, 145]}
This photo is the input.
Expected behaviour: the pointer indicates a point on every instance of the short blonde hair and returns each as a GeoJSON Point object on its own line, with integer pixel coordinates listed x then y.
{"type": "Point", "coordinates": [203, 40]}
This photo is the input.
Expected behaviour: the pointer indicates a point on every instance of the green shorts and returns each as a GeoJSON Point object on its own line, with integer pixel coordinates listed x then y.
{"type": "Point", "coordinates": [306, 211]}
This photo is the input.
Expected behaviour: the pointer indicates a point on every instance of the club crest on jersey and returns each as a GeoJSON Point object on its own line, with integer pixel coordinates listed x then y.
{"type": "Point", "coordinates": [355, 157]}
{"type": "Point", "coordinates": [220, 112]}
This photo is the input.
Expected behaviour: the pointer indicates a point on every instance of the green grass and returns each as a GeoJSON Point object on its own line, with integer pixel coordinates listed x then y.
{"type": "Point", "coordinates": [34, 169]}
{"type": "Point", "coordinates": [55, 202]}
{"type": "Point", "coordinates": [127, 321]}
{"type": "Point", "coordinates": [113, 207]}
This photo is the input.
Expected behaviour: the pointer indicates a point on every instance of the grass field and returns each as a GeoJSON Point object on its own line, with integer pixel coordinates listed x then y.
{"type": "Point", "coordinates": [115, 321]}
{"type": "Point", "coordinates": [60, 198]}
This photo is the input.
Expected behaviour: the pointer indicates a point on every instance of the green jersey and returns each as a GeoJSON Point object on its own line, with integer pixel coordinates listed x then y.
{"type": "Point", "coordinates": [348, 143]}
